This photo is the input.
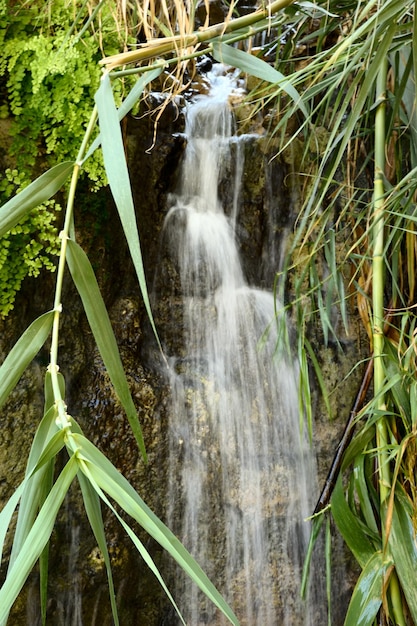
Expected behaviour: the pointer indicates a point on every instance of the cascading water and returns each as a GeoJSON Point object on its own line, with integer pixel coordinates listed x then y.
{"type": "Point", "coordinates": [240, 472]}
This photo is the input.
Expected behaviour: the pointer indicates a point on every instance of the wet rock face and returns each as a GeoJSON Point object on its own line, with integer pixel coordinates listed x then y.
{"type": "Point", "coordinates": [77, 587]}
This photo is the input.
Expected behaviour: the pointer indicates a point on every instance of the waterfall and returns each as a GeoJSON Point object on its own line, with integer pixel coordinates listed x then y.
{"type": "Point", "coordinates": [241, 469]}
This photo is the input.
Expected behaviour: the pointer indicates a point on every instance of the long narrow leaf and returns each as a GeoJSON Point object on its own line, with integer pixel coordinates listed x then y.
{"type": "Point", "coordinates": [118, 177]}
{"type": "Point", "coordinates": [368, 593]}
{"type": "Point", "coordinates": [33, 493]}
{"type": "Point", "coordinates": [256, 67]}
{"type": "Point", "coordinates": [34, 194]}
{"type": "Point", "coordinates": [7, 513]}
{"type": "Point", "coordinates": [128, 103]}
{"type": "Point", "coordinates": [88, 479]}
{"type": "Point", "coordinates": [36, 540]}
{"type": "Point", "coordinates": [106, 476]}
{"type": "Point", "coordinates": [85, 281]}
{"type": "Point", "coordinates": [403, 544]}
{"type": "Point", "coordinates": [93, 510]}
{"type": "Point", "coordinates": [46, 453]}
{"type": "Point", "coordinates": [22, 353]}
{"type": "Point", "coordinates": [350, 527]}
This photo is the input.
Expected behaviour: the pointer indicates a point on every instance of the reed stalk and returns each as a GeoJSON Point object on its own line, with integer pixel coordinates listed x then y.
{"type": "Point", "coordinates": [53, 367]}
{"type": "Point", "coordinates": [160, 47]}
{"type": "Point", "coordinates": [378, 282]}
{"type": "Point", "coordinates": [378, 337]}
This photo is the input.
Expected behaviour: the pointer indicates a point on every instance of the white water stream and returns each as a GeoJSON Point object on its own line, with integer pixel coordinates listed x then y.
{"type": "Point", "coordinates": [241, 476]}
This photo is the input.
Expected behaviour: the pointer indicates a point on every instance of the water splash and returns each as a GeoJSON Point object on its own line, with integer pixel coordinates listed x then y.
{"type": "Point", "coordinates": [240, 472]}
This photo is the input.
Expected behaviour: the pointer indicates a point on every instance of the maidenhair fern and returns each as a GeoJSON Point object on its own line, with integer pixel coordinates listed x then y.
{"type": "Point", "coordinates": [50, 82]}
{"type": "Point", "coordinates": [30, 246]}
{"type": "Point", "coordinates": [49, 73]}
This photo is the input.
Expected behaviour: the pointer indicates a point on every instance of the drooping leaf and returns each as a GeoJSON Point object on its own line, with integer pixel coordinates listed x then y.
{"type": "Point", "coordinates": [257, 67]}
{"type": "Point", "coordinates": [93, 510]}
{"type": "Point", "coordinates": [313, 9]}
{"type": "Point", "coordinates": [118, 177]}
{"type": "Point", "coordinates": [353, 531]}
{"type": "Point", "coordinates": [29, 487]}
{"type": "Point", "coordinates": [128, 103]}
{"type": "Point", "coordinates": [22, 353]}
{"type": "Point", "coordinates": [106, 476]}
{"type": "Point", "coordinates": [364, 493]}
{"type": "Point", "coordinates": [33, 195]}
{"type": "Point", "coordinates": [85, 281]}
{"type": "Point", "coordinates": [88, 478]}
{"type": "Point", "coordinates": [36, 540]}
{"type": "Point", "coordinates": [7, 513]}
{"type": "Point", "coordinates": [314, 533]}
{"type": "Point", "coordinates": [403, 544]}
{"type": "Point", "coordinates": [34, 493]}
{"type": "Point", "coordinates": [368, 593]}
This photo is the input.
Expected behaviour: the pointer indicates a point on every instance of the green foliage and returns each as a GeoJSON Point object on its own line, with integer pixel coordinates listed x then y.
{"type": "Point", "coordinates": [49, 71]}
{"type": "Point", "coordinates": [41, 68]}
{"type": "Point", "coordinates": [28, 246]}
{"type": "Point", "coordinates": [338, 87]}
{"type": "Point", "coordinates": [358, 222]}
{"type": "Point", "coordinates": [39, 496]}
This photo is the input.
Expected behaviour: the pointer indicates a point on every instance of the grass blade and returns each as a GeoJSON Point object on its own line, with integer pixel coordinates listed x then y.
{"type": "Point", "coordinates": [106, 476]}
{"type": "Point", "coordinates": [33, 492]}
{"type": "Point", "coordinates": [136, 541]}
{"type": "Point", "coordinates": [350, 527]}
{"type": "Point", "coordinates": [118, 177]}
{"type": "Point", "coordinates": [22, 353]}
{"type": "Point", "coordinates": [85, 281]}
{"type": "Point", "coordinates": [256, 67]}
{"type": "Point", "coordinates": [93, 510]}
{"type": "Point", "coordinates": [6, 514]}
{"type": "Point", "coordinates": [36, 540]}
{"type": "Point", "coordinates": [402, 542]}
{"type": "Point", "coordinates": [128, 103]}
{"type": "Point", "coordinates": [368, 593]}
{"type": "Point", "coordinates": [34, 194]}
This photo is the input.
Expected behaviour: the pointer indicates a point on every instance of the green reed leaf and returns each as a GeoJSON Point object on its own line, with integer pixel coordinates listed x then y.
{"type": "Point", "coordinates": [7, 513]}
{"type": "Point", "coordinates": [118, 177]}
{"type": "Point", "coordinates": [402, 541]}
{"type": "Point", "coordinates": [106, 476]}
{"type": "Point", "coordinates": [368, 593]}
{"type": "Point", "coordinates": [85, 281]}
{"type": "Point", "coordinates": [36, 540]}
{"type": "Point", "coordinates": [353, 531]}
{"type": "Point", "coordinates": [136, 541]}
{"type": "Point", "coordinates": [316, 525]}
{"type": "Point", "coordinates": [93, 510]}
{"type": "Point", "coordinates": [33, 195]}
{"type": "Point", "coordinates": [22, 353]}
{"type": "Point", "coordinates": [319, 375]}
{"type": "Point", "coordinates": [128, 103]}
{"type": "Point", "coordinates": [35, 491]}
{"type": "Point", "coordinates": [364, 495]}
{"type": "Point", "coordinates": [257, 67]}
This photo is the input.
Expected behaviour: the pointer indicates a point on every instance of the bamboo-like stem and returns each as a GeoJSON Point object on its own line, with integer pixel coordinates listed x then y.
{"type": "Point", "coordinates": [160, 47]}
{"type": "Point", "coordinates": [378, 282]}
{"type": "Point", "coordinates": [236, 36]}
{"type": "Point", "coordinates": [378, 327]}
{"type": "Point", "coordinates": [63, 419]}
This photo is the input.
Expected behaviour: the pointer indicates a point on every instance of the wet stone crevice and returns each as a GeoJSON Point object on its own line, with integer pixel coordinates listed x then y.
{"type": "Point", "coordinates": [77, 586]}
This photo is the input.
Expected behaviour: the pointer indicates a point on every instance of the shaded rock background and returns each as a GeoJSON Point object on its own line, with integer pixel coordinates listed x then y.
{"type": "Point", "coordinates": [78, 589]}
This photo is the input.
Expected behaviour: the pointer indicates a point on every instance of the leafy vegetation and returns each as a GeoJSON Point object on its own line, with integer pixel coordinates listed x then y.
{"type": "Point", "coordinates": [341, 82]}
{"type": "Point", "coordinates": [49, 52]}
{"type": "Point", "coordinates": [357, 224]}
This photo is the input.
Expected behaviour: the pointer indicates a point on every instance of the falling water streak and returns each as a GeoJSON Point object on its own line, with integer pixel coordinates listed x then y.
{"type": "Point", "coordinates": [240, 473]}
